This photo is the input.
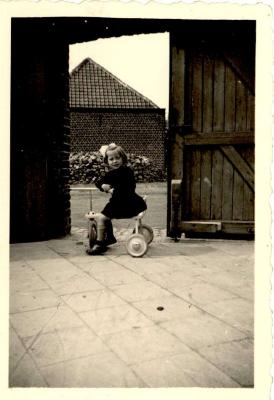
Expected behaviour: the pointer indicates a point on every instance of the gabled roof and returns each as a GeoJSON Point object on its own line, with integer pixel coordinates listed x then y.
{"type": "Point", "coordinates": [92, 86]}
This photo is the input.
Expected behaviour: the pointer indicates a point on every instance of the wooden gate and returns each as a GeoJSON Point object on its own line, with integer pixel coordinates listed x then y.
{"type": "Point", "coordinates": [212, 139]}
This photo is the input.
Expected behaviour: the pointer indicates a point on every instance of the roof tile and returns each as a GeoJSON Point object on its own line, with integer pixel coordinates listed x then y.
{"type": "Point", "coordinates": [91, 85]}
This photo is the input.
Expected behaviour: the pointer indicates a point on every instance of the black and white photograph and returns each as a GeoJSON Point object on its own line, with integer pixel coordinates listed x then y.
{"type": "Point", "coordinates": [137, 256]}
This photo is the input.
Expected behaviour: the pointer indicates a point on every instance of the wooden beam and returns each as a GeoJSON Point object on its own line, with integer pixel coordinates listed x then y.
{"type": "Point", "coordinates": [219, 139]}
{"type": "Point", "coordinates": [238, 227]}
{"type": "Point", "coordinates": [201, 226]}
{"type": "Point", "coordinates": [176, 217]}
{"type": "Point", "coordinates": [239, 163]}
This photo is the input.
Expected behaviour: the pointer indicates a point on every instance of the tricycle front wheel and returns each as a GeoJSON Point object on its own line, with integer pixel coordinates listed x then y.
{"type": "Point", "coordinates": [136, 245]}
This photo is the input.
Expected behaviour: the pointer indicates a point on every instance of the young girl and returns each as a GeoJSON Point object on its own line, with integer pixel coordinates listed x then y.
{"type": "Point", "coordinates": [124, 202]}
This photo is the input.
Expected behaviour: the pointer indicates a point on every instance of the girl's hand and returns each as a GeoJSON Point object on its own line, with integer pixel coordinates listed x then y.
{"type": "Point", "coordinates": [106, 187]}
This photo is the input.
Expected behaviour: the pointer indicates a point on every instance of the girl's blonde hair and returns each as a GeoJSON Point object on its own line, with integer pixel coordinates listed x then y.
{"type": "Point", "coordinates": [119, 149]}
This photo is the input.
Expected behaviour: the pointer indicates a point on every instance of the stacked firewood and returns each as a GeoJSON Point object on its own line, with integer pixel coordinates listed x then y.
{"type": "Point", "coordinates": [86, 167]}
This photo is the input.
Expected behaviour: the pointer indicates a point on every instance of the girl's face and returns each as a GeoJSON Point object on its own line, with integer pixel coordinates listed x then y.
{"type": "Point", "coordinates": [114, 159]}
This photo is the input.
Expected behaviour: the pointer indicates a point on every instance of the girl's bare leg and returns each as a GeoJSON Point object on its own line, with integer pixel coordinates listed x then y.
{"type": "Point", "coordinates": [102, 222]}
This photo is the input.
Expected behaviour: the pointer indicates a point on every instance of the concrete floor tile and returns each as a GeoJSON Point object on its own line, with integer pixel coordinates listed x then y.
{"type": "Point", "coordinates": [114, 319]}
{"type": "Point", "coordinates": [75, 284]}
{"type": "Point", "coordinates": [246, 291]}
{"type": "Point", "coordinates": [235, 247]}
{"type": "Point", "coordinates": [111, 278]}
{"type": "Point", "coordinates": [26, 374]}
{"type": "Point", "coordinates": [31, 323]}
{"type": "Point", "coordinates": [16, 349]}
{"type": "Point", "coordinates": [104, 371]}
{"type": "Point", "coordinates": [126, 259]}
{"type": "Point", "coordinates": [138, 291]}
{"type": "Point", "coordinates": [202, 330]}
{"type": "Point", "coordinates": [92, 300]}
{"type": "Point", "coordinates": [97, 267]}
{"type": "Point", "coordinates": [25, 279]}
{"type": "Point", "coordinates": [83, 258]}
{"type": "Point", "coordinates": [31, 251]}
{"type": "Point", "coordinates": [58, 270]}
{"type": "Point", "coordinates": [233, 281]}
{"type": "Point", "coordinates": [150, 266]}
{"type": "Point", "coordinates": [202, 293]}
{"type": "Point", "coordinates": [137, 345]}
{"type": "Point", "coordinates": [202, 371]}
{"type": "Point", "coordinates": [236, 359]}
{"type": "Point", "coordinates": [162, 372]}
{"type": "Point", "coordinates": [17, 265]}
{"type": "Point", "coordinates": [24, 301]}
{"type": "Point", "coordinates": [54, 347]}
{"type": "Point", "coordinates": [173, 308]}
{"type": "Point", "coordinates": [218, 260]}
{"type": "Point", "coordinates": [235, 312]}
{"type": "Point", "coordinates": [176, 279]}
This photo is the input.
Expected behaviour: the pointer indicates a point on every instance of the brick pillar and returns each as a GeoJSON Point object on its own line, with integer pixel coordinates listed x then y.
{"type": "Point", "coordinates": [40, 199]}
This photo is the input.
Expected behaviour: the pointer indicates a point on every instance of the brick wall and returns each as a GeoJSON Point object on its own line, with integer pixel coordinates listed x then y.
{"type": "Point", "coordinates": [138, 131]}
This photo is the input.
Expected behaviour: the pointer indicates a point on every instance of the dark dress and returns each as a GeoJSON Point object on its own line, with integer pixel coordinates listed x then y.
{"type": "Point", "coordinates": [124, 202]}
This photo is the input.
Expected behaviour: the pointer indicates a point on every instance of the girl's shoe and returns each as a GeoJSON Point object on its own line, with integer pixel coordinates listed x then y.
{"type": "Point", "coordinates": [110, 239]}
{"type": "Point", "coordinates": [98, 248]}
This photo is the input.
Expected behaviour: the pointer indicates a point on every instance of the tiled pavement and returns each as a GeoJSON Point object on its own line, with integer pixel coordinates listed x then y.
{"type": "Point", "coordinates": [181, 316]}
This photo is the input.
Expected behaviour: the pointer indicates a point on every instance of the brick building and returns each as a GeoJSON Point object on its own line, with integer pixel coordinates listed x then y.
{"type": "Point", "coordinates": [103, 109]}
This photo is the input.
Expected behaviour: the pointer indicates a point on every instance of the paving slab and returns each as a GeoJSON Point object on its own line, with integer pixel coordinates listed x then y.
{"type": "Point", "coordinates": [235, 358]}
{"type": "Point", "coordinates": [66, 344]}
{"type": "Point", "coordinates": [201, 329]}
{"type": "Point", "coordinates": [201, 294]}
{"type": "Point", "coordinates": [25, 279]}
{"type": "Point", "coordinates": [37, 299]}
{"type": "Point", "coordinates": [134, 346]}
{"type": "Point", "coordinates": [112, 278]}
{"type": "Point", "coordinates": [181, 316]}
{"type": "Point", "coordinates": [188, 369]}
{"type": "Point", "coordinates": [114, 319]}
{"type": "Point", "coordinates": [106, 371]}
{"type": "Point", "coordinates": [26, 374]}
{"type": "Point", "coordinates": [139, 291]}
{"type": "Point", "coordinates": [87, 301]}
{"type": "Point", "coordinates": [16, 349]}
{"type": "Point", "coordinates": [166, 308]}
{"type": "Point", "coordinates": [32, 323]}
{"type": "Point", "coordinates": [237, 312]}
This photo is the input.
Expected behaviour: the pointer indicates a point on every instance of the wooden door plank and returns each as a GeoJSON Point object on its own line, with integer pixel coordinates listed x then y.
{"type": "Point", "coordinates": [207, 94]}
{"type": "Point", "coordinates": [177, 84]}
{"type": "Point", "coordinates": [195, 188]}
{"type": "Point", "coordinates": [217, 184]}
{"type": "Point", "coordinates": [206, 183]}
{"type": "Point", "coordinates": [247, 153]}
{"type": "Point", "coordinates": [250, 118]}
{"type": "Point", "coordinates": [197, 85]}
{"type": "Point", "coordinates": [186, 210]}
{"type": "Point", "coordinates": [238, 188]}
{"type": "Point", "coordinates": [237, 67]}
{"type": "Point", "coordinates": [239, 163]}
{"type": "Point", "coordinates": [248, 203]}
{"type": "Point", "coordinates": [218, 100]}
{"type": "Point", "coordinates": [227, 194]}
{"type": "Point", "coordinates": [241, 106]}
{"type": "Point", "coordinates": [230, 88]}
